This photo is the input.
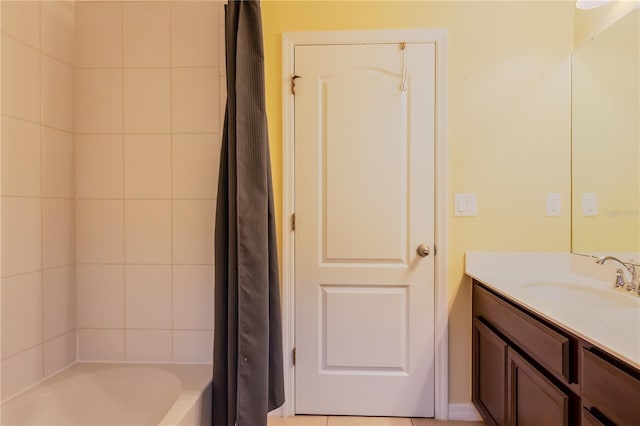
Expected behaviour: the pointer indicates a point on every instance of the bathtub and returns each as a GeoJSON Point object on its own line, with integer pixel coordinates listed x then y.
{"type": "Point", "coordinates": [116, 394]}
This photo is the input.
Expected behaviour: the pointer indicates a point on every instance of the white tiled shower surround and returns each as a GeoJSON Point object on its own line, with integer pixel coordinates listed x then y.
{"type": "Point", "coordinates": [111, 118]}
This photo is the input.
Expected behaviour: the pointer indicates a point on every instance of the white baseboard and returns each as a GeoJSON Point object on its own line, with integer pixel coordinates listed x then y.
{"type": "Point", "coordinates": [464, 412]}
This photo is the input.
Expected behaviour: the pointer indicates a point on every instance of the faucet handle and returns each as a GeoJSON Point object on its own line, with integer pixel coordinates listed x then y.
{"type": "Point", "coordinates": [635, 276]}
{"type": "Point", "coordinates": [631, 284]}
{"type": "Point", "coordinates": [620, 280]}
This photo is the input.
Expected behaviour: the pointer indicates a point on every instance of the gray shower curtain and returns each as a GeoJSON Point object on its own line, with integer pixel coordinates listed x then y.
{"type": "Point", "coordinates": [248, 364]}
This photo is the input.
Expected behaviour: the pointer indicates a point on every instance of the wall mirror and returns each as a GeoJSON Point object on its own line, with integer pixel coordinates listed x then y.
{"type": "Point", "coordinates": [606, 142]}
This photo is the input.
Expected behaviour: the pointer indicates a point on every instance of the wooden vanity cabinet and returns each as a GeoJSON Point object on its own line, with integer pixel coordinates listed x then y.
{"type": "Point", "coordinates": [527, 371]}
{"type": "Point", "coordinates": [524, 369]}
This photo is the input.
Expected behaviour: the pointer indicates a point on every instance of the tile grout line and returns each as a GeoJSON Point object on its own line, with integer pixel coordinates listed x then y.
{"type": "Point", "coordinates": [124, 208]}
{"type": "Point", "coordinates": [39, 48]}
{"type": "Point", "coordinates": [132, 133]}
{"type": "Point", "coordinates": [171, 177]}
{"type": "Point", "coordinates": [74, 75]}
{"type": "Point", "coordinates": [47, 126]}
{"type": "Point", "coordinates": [149, 67]}
{"type": "Point", "coordinates": [42, 235]}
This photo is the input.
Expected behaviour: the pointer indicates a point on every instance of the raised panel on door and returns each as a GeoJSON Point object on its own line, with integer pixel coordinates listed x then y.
{"type": "Point", "coordinates": [364, 200]}
{"type": "Point", "coordinates": [375, 339]}
{"type": "Point", "coordinates": [379, 232]}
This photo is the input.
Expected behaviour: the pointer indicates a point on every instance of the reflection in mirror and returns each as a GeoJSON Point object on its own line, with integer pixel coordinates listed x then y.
{"type": "Point", "coordinates": [606, 142]}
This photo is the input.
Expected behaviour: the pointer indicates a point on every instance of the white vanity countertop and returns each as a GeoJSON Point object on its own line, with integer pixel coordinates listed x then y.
{"type": "Point", "coordinates": [545, 284]}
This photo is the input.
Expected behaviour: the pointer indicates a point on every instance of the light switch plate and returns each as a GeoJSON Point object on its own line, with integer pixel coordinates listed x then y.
{"type": "Point", "coordinates": [589, 204]}
{"type": "Point", "coordinates": [465, 205]}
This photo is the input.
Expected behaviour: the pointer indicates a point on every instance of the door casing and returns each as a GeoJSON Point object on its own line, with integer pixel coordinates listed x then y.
{"type": "Point", "coordinates": [289, 41]}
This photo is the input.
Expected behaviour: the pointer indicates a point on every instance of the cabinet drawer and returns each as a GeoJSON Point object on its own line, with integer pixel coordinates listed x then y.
{"type": "Point", "coordinates": [548, 347]}
{"type": "Point", "coordinates": [609, 392]}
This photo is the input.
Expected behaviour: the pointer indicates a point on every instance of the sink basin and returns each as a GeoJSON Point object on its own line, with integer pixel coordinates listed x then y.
{"type": "Point", "coordinates": [581, 295]}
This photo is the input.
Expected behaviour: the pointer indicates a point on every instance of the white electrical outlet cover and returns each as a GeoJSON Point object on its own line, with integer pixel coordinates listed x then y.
{"type": "Point", "coordinates": [554, 204]}
{"type": "Point", "coordinates": [589, 204]}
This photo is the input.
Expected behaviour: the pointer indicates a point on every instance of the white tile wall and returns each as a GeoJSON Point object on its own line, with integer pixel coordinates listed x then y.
{"type": "Point", "coordinates": [148, 345]}
{"type": "Point", "coordinates": [193, 228]}
{"type": "Point", "coordinates": [21, 19]}
{"type": "Point", "coordinates": [195, 100]}
{"type": "Point", "coordinates": [194, 34]}
{"type": "Point", "coordinates": [58, 232]}
{"type": "Point", "coordinates": [192, 297]}
{"type": "Point", "coordinates": [98, 36]}
{"type": "Point", "coordinates": [155, 182]}
{"type": "Point", "coordinates": [148, 231]}
{"type": "Point", "coordinates": [148, 296]}
{"type": "Point", "coordinates": [99, 166]}
{"type": "Point", "coordinates": [21, 235]}
{"type": "Point", "coordinates": [20, 157]}
{"type": "Point", "coordinates": [196, 158]}
{"type": "Point", "coordinates": [100, 345]}
{"type": "Point", "coordinates": [38, 192]}
{"type": "Point", "coordinates": [21, 313]}
{"type": "Point", "coordinates": [98, 99]}
{"type": "Point", "coordinates": [147, 100]}
{"type": "Point", "coordinates": [146, 171]}
{"type": "Point", "coordinates": [59, 299]}
{"type": "Point", "coordinates": [100, 296]}
{"type": "Point", "coordinates": [130, 197]}
{"type": "Point", "coordinates": [58, 172]}
{"type": "Point", "coordinates": [147, 34]}
{"type": "Point", "coordinates": [20, 80]}
{"type": "Point", "coordinates": [59, 352]}
{"type": "Point", "coordinates": [57, 94]}
{"type": "Point", "coordinates": [57, 29]}
{"type": "Point", "coordinates": [22, 370]}
{"type": "Point", "coordinates": [192, 346]}
{"type": "Point", "coordinates": [99, 225]}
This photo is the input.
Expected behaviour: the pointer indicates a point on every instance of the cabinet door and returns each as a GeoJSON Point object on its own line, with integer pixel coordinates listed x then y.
{"type": "Point", "coordinates": [533, 399]}
{"type": "Point", "coordinates": [489, 373]}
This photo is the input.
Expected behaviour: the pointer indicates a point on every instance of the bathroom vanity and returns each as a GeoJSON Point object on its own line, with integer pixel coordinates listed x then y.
{"type": "Point", "coordinates": [551, 346]}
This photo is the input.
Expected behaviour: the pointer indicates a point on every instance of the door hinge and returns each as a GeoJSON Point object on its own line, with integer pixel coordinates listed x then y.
{"type": "Point", "coordinates": [435, 249]}
{"type": "Point", "coordinates": [293, 83]}
{"type": "Point", "coordinates": [293, 355]}
{"type": "Point", "coordinates": [293, 222]}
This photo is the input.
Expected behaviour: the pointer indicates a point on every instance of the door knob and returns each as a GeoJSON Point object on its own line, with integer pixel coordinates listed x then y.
{"type": "Point", "coordinates": [422, 250]}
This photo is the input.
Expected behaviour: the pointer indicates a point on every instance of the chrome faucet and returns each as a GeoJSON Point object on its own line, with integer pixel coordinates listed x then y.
{"type": "Point", "coordinates": [621, 281]}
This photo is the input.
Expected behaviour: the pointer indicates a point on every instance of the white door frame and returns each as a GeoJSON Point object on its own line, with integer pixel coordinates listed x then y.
{"type": "Point", "coordinates": [289, 41]}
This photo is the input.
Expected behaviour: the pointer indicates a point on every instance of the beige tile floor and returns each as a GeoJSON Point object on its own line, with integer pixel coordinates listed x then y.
{"type": "Point", "coordinates": [361, 421]}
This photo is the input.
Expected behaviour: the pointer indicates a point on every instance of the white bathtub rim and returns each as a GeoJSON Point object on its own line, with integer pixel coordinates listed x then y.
{"type": "Point", "coordinates": [193, 383]}
{"type": "Point", "coordinates": [55, 373]}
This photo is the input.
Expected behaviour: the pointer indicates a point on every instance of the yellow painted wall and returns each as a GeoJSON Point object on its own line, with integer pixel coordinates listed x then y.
{"type": "Point", "coordinates": [508, 124]}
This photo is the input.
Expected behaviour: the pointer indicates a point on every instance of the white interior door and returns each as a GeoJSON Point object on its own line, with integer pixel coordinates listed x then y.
{"type": "Point", "coordinates": [364, 202]}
